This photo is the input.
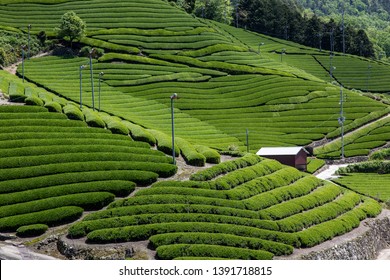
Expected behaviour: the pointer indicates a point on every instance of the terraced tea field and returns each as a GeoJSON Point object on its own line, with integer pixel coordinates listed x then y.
{"type": "Point", "coordinates": [53, 168]}
{"type": "Point", "coordinates": [371, 184]}
{"type": "Point", "coordinates": [256, 210]}
{"type": "Point", "coordinates": [98, 144]}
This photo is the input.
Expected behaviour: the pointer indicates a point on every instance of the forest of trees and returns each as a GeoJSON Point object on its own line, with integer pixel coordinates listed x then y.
{"type": "Point", "coordinates": [320, 25]}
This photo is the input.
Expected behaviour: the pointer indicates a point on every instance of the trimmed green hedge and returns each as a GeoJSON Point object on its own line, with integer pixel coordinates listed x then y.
{"type": "Point", "coordinates": [88, 201]}
{"type": "Point", "coordinates": [139, 133]}
{"type": "Point", "coordinates": [34, 101]}
{"type": "Point", "coordinates": [143, 232]}
{"type": "Point", "coordinates": [211, 155]}
{"type": "Point", "coordinates": [50, 217]}
{"type": "Point", "coordinates": [93, 119]}
{"type": "Point", "coordinates": [73, 113]}
{"type": "Point", "coordinates": [220, 239]}
{"type": "Point", "coordinates": [164, 142]}
{"type": "Point", "coordinates": [169, 252]}
{"type": "Point", "coordinates": [116, 187]}
{"type": "Point", "coordinates": [31, 230]}
{"type": "Point", "coordinates": [53, 106]}
{"type": "Point", "coordinates": [142, 178]}
{"type": "Point", "coordinates": [189, 153]}
{"type": "Point", "coordinates": [225, 167]}
{"type": "Point", "coordinates": [83, 228]}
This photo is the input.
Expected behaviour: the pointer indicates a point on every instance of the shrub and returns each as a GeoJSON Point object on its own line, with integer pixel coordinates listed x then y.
{"type": "Point", "coordinates": [169, 252]}
{"type": "Point", "coordinates": [93, 119]}
{"type": "Point", "coordinates": [220, 239]}
{"type": "Point", "coordinates": [73, 113]}
{"type": "Point", "coordinates": [164, 142]}
{"type": "Point", "coordinates": [138, 133]}
{"type": "Point", "coordinates": [211, 155]}
{"type": "Point", "coordinates": [50, 217]}
{"type": "Point", "coordinates": [32, 230]}
{"type": "Point", "coordinates": [34, 101]}
{"type": "Point", "coordinates": [53, 107]}
{"type": "Point", "coordinates": [88, 201]}
{"type": "Point", "coordinates": [191, 156]}
{"type": "Point", "coordinates": [225, 167]}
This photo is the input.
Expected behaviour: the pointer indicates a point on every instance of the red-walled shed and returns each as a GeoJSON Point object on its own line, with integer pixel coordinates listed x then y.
{"type": "Point", "coordinates": [292, 156]}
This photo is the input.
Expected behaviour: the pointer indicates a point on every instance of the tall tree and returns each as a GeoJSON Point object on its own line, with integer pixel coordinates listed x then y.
{"type": "Point", "coordinates": [71, 27]}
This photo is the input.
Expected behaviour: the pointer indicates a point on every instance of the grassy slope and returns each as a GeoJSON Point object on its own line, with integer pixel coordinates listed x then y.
{"type": "Point", "coordinates": [287, 111]}
{"type": "Point", "coordinates": [279, 103]}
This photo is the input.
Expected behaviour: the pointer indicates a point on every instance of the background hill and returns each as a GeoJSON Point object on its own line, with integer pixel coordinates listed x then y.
{"type": "Point", "coordinates": [238, 91]}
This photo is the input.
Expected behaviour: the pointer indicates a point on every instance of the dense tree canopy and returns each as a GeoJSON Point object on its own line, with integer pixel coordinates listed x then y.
{"type": "Point", "coordinates": [71, 26]}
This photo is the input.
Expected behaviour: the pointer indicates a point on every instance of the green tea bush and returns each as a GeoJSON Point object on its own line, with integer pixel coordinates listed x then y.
{"type": "Point", "coordinates": [225, 167]}
{"type": "Point", "coordinates": [190, 155]}
{"type": "Point", "coordinates": [88, 201]}
{"type": "Point", "coordinates": [116, 187]}
{"type": "Point", "coordinates": [154, 208]}
{"type": "Point", "coordinates": [93, 119]}
{"type": "Point", "coordinates": [139, 133]}
{"type": "Point", "coordinates": [211, 155]}
{"type": "Point", "coordinates": [31, 230]}
{"type": "Point", "coordinates": [169, 252]}
{"type": "Point", "coordinates": [276, 248]}
{"type": "Point", "coordinates": [381, 167]}
{"type": "Point", "coordinates": [141, 178]}
{"type": "Point", "coordinates": [73, 113]}
{"type": "Point", "coordinates": [50, 217]}
{"type": "Point", "coordinates": [320, 214]}
{"type": "Point", "coordinates": [53, 107]}
{"type": "Point", "coordinates": [143, 232]}
{"type": "Point", "coordinates": [164, 142]}
{"type": "Point", "coordinates": [34, 101]}
{"type": "Point", "coordinates": [84, 227]}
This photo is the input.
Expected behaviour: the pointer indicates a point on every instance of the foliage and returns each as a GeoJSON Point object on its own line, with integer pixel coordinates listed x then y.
{"type": "Point", "coordinates": [31, 230]}
{"type": "Point", "coordinates": [71, 27]}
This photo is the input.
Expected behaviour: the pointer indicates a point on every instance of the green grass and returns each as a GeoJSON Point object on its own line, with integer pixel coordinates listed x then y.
{"type": "Point", "coordinates": [371, 184]}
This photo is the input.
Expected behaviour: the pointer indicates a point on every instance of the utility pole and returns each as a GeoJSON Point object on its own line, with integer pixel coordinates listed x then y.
{"type": "Point", "coordinates": [341, 120]}
{"type": "Point", "coordinates": [247, 140]}
{"type": "Point", "coordinates": [343, 27]}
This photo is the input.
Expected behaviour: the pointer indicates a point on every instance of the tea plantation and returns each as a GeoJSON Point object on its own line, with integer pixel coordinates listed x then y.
{"type": "Point", "coordinates": [53, 168]}
{"type": "Point", "coordinates": [75, 147]}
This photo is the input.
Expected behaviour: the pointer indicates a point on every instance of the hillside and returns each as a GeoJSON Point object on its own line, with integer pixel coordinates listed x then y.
{"type": "Point", "coordinates": [89, 141]}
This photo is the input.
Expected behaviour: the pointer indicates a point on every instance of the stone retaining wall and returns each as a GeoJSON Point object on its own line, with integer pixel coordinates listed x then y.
{"type": "Point", "coordinates": [364, 247]}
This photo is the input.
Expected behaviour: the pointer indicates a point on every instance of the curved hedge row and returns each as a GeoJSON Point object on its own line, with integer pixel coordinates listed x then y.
{"type": "Point", "coordinates": [230, 240]}
{"type": "Point", "coordinates": [225, 167]}
{"type": "Point", "coordinates": [338, 226]}
{"type": "Point", "coordinates": [142, 178]}
{"type": "Point", "coordinates": [143, 232]}
{"type": "Point", "coordinates": [84, 227]}
{"type": "Point", "coordinates": [50, 217]}
{"type": "Point", "coordinates": [320, 214]}
{"type": "Point", "coordinates": [88, 201]}
{"type": "Point", "coordinates": [168, 252]}
{"type": "Point", "coordinates": [163, 169]}
{"type": "Point", "coordinates": [116, 187]}
{"type": "Point", "coordinates": [31, 230]}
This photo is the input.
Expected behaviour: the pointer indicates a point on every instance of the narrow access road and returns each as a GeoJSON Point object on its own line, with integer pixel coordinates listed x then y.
{"type": "Point", "coordinates": [329, 173]}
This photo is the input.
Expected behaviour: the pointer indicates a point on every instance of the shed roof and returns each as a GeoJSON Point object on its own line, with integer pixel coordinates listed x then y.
{"type": "Point", "coordinates": [272, 151]}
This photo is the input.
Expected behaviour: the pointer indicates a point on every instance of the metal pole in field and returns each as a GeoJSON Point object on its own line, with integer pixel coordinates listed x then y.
{"type": "Point", "coordinates": [23, 55]}
{"type": "Point", "coordinates": [29, 37]}
{"type": "Point", "coordinates": [368, 76]}
{"type": "Point", "coordinates": [173, 96]}
{"type": "Point", "coordinates": [258, 51]}
{"type": "Point", "coordinates": [101, 74]}
{"type": "Point", "coordinates": [342, 120]}
{"type": "Point", "coordinates": [281, 54]}
{"type": "Point", "coordinates": [91, 53]}
{"type": "Point", "coordinates": [247, 140]}
{"type": "Point", "coordinates": [81, 87]}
